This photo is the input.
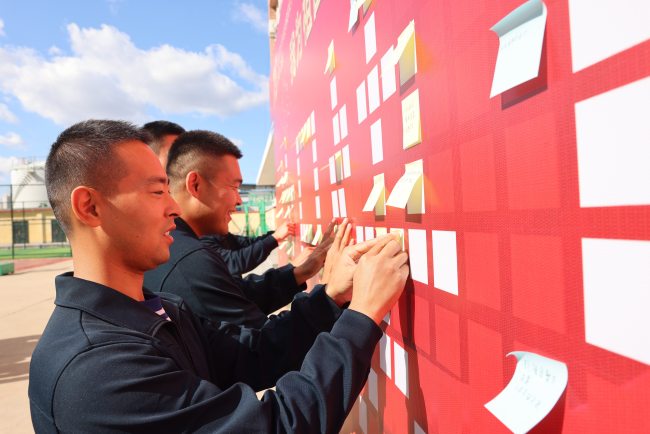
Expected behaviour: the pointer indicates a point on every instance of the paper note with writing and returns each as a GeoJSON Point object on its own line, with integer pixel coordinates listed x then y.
{"type": "Point", "coordinates": [376, 142]}
{"type": "Point", "coordinates": [342, 209]}
{"type": "Point", "coordinates": [388, 86]}
{"type": "Point", "coordinates": [409, 191]}
{"type": "Point", "coordinates": [343, 121]}
{"type": "Point", "coordinates": [335, 204]}
{"type": "Point", "coordinates": [377, 198]}
{"type": "Point", "coordinates": [405, 54]}
{"type": "Point", "coordinates": [346, 161]}
{"type": "Point", "coordinates": [338, 165]}
{"type": "Point", "coordinates": [331, 59]}
{"type": "Point", "coordinates": [336, 129]}
{"type": "Point", "coordinates": [411, 125]}
{"type": "Point", "coordinates": [533, 391]}
{"type": "Point", "coordinates": [521, 36]}
{"type": "Point", "coordinates": [373, 89]}
{"type": "Point", "coordinates": [370, 37]}
{"type": "Point", "coordinates": [318, 235]}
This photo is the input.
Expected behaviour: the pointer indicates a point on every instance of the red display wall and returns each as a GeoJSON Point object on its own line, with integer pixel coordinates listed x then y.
{"type": "Point", "coordinates": [535, 234]}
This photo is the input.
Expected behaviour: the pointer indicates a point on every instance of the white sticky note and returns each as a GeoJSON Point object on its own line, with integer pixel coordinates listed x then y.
{"type": "Point", "coordinates": [336, 129]}
{"type": "Point", "coordinates": [616, 276]}
{"type": "Point", "coordinates": [445, 261]}
{"type": "Point", "coordinates": [345, 151]}
{"type": "Point", "coordinates": [316, 184]}
{"type": "Point", "coordinates": [373, 394]}
{"type": "Point", "coordinates": [401, 369]}
{"type": "Point", "coordinates": [279, 213]}
{"type": "Point", "coordinates": [359, 237]}
{"type": "Point", "coordinates": [373, 89]}
{"type": "Point", "coordinates": [601, 29]}
{"type": "Point", "coordinates": [417, 429]}
{"type": "Point", "coordinates": [381, 231]}
{"type": "Point", "coordinates": [362, 110]}
{"type": "Point", "coordinates": [388, 85]}
{"type": "Point", "coordinates": [363, 416]}
{"type": "Point", "coordinates": [318, 235]}
{"type": "Point", "coordinates": [405, 54]}
{"type": "Point", "coordinates": [384, 355]}
{"type": "Point", "coordinates": [521, 36]}
{"type": "Point", "coordinates": [376, 201]}
{"type": "Point", "coordinates": [376, 142]}
{"type": "Point", "coordinates": [335, 204]}
{"type": "Point", "coordinates": [318, 207]}
{"type": "Point", "coordinates": [330, 64]}
{"type": "Point", "coordinates": [333, 94]}
{"type": "Point", "coordinates": [300, 210]}
{"type": "Point", "coordinates": [332, 167]}
{"type": "Point", "coordinates": [400, 233]}
{"type": "Point", "coordinates": [418, 255]}
{"type": "Point", "coordinates": [299, 189]}
{"type": "Point", "coordinates": [369, 232]}
{"type": "Point", "coordinates": [314, 154]}
{"type": "Point", "coordinates": [338, 165]}
{"type": "Point", "coordinates": [613, 139]}
{"type": "Point", "coordinates": [409, 191]}
{"type": "Point", "coordinates": [411, 125]}
{"type": "Point", "coordinates": [342, 209]}
{"type": "Point", "coordinates": [306, 233]}
{"type": "Point", "coordinates": [312, 121]}
{"type": "Point", "coordinates": [298, 167]}
{"type": "Point", "coordinates": [343, 122]}
{"type": "Point", "coordinates": [288, 212]}
{"type": "Point", "coordinates": [533, 391]}
{"type": "Point", "coordinates": [354, 14]}
{"type": "Point", "coordinates": [370, 37]}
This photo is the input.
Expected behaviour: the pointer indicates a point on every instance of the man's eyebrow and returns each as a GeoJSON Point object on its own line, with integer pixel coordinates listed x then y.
{"type": "Point", "coordinates": [158, 180]}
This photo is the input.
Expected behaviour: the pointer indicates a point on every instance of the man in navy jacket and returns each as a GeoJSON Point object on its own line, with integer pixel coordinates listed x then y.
{"type": "Point", "coordinates": [117, 358]}
{"type": "Point", "coordinates": [204, 179]}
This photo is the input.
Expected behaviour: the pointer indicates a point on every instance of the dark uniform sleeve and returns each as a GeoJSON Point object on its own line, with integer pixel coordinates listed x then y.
{"type": "Point", "coordinates": [241, 254]}
{"type": "Point", "coordinates": [138, 388]}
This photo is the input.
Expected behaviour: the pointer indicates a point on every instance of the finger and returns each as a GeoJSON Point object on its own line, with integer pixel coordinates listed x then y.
{"type": "Point", "coordinates": [391, 249]}
{"type": "Point", "coordinates": [379, 244]}
{"type": "Point", "coordinates": [339, 233]}
{"type": "Point", "coordinates": [400, 259]}
{"type": "Point", "coordinates": [330, 229]}
{"type": "Point", "coordinates": [346, 236]}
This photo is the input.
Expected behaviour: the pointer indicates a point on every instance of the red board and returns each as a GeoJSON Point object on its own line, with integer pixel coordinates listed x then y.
{"type": "Point", "coordinates": [502, 176]}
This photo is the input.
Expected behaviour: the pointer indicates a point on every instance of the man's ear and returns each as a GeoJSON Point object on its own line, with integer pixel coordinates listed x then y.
{"type": "Point", "coordinates": [84, 205]}
{"type": "Point", "coordinates": [192, 183]}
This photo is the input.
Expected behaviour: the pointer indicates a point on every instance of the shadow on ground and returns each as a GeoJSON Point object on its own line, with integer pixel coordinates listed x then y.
{"type": "Point", "coordinates": [15, 354]}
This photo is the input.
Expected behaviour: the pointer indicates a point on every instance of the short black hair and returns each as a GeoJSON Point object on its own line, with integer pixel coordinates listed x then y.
{"type": "Point", "coordinates": [83, 155]}
{"type": "Point", "coordinates": [160, 129]}
{"type": "Point", "coordinates": [190, 149]}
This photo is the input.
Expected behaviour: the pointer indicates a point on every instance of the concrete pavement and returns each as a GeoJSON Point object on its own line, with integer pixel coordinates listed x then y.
{"type": "Point", "coordinates": [26, 304]}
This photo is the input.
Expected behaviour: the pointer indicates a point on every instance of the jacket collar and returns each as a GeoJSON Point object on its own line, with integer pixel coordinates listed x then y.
{"type": "Point", "coordinates": [105, 303]}
{"type": "Point", "coordinates": [183, 227]}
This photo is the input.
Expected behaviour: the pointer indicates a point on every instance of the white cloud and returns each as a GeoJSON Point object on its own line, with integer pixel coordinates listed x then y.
{"type": "Point", "coordinates": [11, 140]}
{"type": "Point", "coordinates": [252, 15]}
{"type": "Point", "coordinates": [114, 6]}
{"type": "Point", "coordinates": [6, 163]}
{"type": "Point", "coordinates": [107, 76]}
{"type": "Point", "coordinates": [6, 114]}
{"type": "Point", "coordinates": [2, 27]}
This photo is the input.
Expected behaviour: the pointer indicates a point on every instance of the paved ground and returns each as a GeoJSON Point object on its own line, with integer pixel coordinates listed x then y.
{"type": "Point", "coordinates": [27, 302]}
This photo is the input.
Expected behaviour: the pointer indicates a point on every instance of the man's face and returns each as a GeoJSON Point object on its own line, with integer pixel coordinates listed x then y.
{"type": "Point", "coordinates": [222, 193]}
{"type": "Point", "coordinates": [139, 213]}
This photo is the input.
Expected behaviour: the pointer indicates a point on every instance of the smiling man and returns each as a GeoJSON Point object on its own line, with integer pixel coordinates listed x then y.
{"type": "Point", "coordinates": [205, 179]}
{"type": "Point", "coordinates": [115, 358]}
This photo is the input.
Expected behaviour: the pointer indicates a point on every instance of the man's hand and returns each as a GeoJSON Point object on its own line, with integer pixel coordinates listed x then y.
{"type": "Point", "coordinates": [341, 241]}
{"type": "Point", "coordinates": [284, 231]}
{"type": "Point", "coordinates": [339, 287]}
{"type": "Point", "coordinates": [315, 260]}
{"type": "Point", "coordinates": [379, 279]}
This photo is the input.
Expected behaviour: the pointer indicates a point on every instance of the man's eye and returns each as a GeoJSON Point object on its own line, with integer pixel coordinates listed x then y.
{"type": "Point", "coordinates": [160, 193]}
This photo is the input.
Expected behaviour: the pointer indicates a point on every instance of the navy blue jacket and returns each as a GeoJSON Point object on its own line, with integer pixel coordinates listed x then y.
{"type": "Point", "coordinates": [241, 254]}
{"type": "Point", "coordinates": [201, 277]}
{"type": "Point", "coordinates": [107, 364]}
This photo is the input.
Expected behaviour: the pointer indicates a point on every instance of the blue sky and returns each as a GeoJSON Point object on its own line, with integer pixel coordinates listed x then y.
{"type": "Point", "coordinates": [202, 64]}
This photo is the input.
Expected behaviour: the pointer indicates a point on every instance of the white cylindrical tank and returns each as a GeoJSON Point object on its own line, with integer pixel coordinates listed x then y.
{"type": "Point", "coordinates": [28, 183]}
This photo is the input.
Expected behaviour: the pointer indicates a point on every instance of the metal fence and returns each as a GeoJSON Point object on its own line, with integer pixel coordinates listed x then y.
{"type": "Point", "coordinates": [28, 228]}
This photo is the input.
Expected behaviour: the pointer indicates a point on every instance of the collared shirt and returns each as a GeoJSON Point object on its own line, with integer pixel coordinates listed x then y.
{"type": "Point", "coordinates": [241, 254]}
{"type": "Point", "coordinates": [106, 364]}
{"type": "Point", "coordinates": [201, 277]}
